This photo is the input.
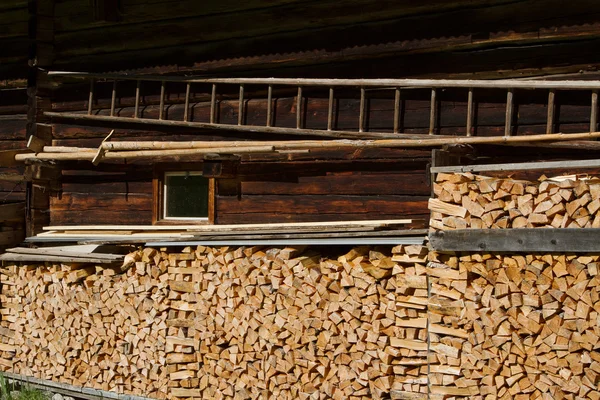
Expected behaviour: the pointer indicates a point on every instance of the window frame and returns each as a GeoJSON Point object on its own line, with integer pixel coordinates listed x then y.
{"type": "Point", "coordinates": [159, 197]}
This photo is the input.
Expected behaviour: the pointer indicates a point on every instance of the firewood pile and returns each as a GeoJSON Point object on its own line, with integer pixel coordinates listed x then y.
{"type": "Point", "coordinates": [259, 322]}
{"type": "Point", "coordinates": [529, 325]}
{"type": "Point", "coordinates": [286, 324]}
{"type": "Point", "coordinates": [224, 323]}
{"type": "Point", "coordinates": [479, 202]}
{"type": "Point", "coordinates": [86, 325]}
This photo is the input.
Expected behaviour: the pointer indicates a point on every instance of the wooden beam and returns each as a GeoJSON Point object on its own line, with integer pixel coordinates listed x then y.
{"type": "Point", "coordinates": [36, 144]}
{"type": "Point", "coordinates": [7, 157]}
{"type": "Point", "coordinates": [255, 227]}
{"type": "Point", "coordinates": [415, 83]}
{"type": "Point", "coordinates": [519, 166]}
{"type": "Point", "coordinates": [70, 390]}
{"type": "Point", "coordinates": [527, 240]}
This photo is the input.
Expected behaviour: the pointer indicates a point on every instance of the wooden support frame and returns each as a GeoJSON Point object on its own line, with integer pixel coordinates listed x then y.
{"type": "Point", "coordinates": [158, 195]}
{"type": "Point", "coordinates": [527, 240]}
{"type": "Point", "coordinates": [527, 166]}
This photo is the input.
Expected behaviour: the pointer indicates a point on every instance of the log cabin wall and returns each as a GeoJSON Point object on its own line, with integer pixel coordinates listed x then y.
{"type": "Point", "coordinates": [383, 185]}
{"type": "Point", "coordinates": [327, 185]}
{"type": "Point", "coordinates": [363, 38]}
{"type": "Point", "coordinates": [13, 127]}
{"type": "Point", "coordinates": [457, 39]}
{"type": "Point", "coordinates": [16, 47]}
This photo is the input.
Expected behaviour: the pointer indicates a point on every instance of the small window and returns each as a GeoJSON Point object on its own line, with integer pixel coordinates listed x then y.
{"type": "Point", "coordinates": [186, 196]}
{"type": "Point", "coordinates": [183, 196]}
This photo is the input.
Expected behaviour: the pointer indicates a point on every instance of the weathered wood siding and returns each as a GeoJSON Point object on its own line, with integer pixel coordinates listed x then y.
{"type": "Point", "coordinates": [13, 125]}
{"type": "Point", "coordinates": [261, 191]}
{"type": "Point", "coordinates": [364, 38]}
{"type": "Point", "coordinates": [14, 39]}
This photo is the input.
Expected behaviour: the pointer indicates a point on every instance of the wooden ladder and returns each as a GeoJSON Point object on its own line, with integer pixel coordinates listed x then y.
{"type": "Point", "coordinates": [361, 132]}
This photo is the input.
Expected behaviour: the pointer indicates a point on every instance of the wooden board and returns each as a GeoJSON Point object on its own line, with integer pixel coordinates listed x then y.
{"type": "Point", "coordinates": [528, 240]}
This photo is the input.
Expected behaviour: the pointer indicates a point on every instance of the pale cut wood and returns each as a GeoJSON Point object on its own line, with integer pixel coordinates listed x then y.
{"type": "Point", "coordinates": [446, 208]}
{"type": "Point", "coordinates": [247, 227]}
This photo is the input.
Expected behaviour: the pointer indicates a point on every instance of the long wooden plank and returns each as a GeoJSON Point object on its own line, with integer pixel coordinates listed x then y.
{"type": "Point", "coordinates": [71, 390]}
{"type": "Point", "coordinates": [517, 240]}
{"type": "Point", "coordinates": [595, 163]}
{"type": "Point", "coordinates": [63, 253]}
{"type": "Point", "coordinates": [420, 83]}
{"type": "Point", "coordinates": [44, 258]}
{"type": "Point", "coordinates": [215, 228]}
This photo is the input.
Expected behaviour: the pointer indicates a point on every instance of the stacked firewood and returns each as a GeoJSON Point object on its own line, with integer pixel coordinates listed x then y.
{"type": "Point", "coordinates": [254, 322]}
{"type": "Point", "coordinates": [528, 326]}
{"type": "Point", "coordinates": [287, 324]}
{"type": "Point", "coordinates": [86, 325]}
{"type": "Point", "coordinates": [479, 202]}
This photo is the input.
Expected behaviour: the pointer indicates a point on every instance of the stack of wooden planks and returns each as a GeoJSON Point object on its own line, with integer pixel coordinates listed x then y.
{"type": "Point", "coordinates": [480, 202]}
{"type": "Point", "coordinates": [87, 325]}
{"type": "Point", "coordinates": [65, 254]}
{"type": "Point", "coordinates": [141, 233]}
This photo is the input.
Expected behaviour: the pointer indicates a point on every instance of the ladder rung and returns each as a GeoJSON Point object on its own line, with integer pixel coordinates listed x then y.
{"type": "Point", "coordinates": [594, 113]}
{"type": "Point", "coordinates": [550, 118]}
{"type": "Point", "coordinates": [162, 100]}
{"type": "Point", "coordinates": [91, 97]}
{"type": "Point", "coordinates": [186, 107]}
{"type": "Point", "coordinates": [509, 113]}
{"type": "Point", "coordinates": [269, 105]}
{"type": "Point", "coordinates": [113, 99]}
{"type": "Point", "coordinates": [299, 108]}
{"type": "Point", "coordinates": [433, 112]}
{"type": "Point", "coordinates": [361, 111]}
{"type": "Point", "coordinates": [213, 104]}
{"type": "Point", "coordinates": [470, 113]}
{"type": "Point", "coordinates": [330, 110]}
{"type": "Point", "coordinates": [136, 112]}
{"type": "Point", "coordinates": [397, 110]}
{"type": "Point", "coordinates": [241, 105]}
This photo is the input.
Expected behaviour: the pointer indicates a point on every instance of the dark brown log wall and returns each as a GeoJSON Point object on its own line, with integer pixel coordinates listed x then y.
{"type": "Point", "coordinates": [260, 192]}
{"type": "Point", "coordinates": [13, 124]}
{"type": "Point", "coordinates": [395, 38]}
{"type": "Point", "coordinates": [14, 39]}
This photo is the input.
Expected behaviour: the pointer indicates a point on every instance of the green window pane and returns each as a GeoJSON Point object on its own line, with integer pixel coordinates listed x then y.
{"type": "Point", "coordinates": [186, 196]}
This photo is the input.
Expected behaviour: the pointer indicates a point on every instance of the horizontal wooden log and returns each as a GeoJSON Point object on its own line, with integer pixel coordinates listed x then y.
{"type": "Point", "coordinates": [538, 165]}
{"type": "Point", "coordinates": [332, 204]}
{"type": "Point", "coordinates": [419, 219]}
{"type": "Point", "coordinates": [350, 183]}
{"type": "Point", "coordinates": [526, 240]}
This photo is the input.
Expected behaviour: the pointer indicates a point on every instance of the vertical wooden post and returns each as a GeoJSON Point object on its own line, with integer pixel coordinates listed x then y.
{"type": "Point", "coordinates": [162, 100]}
{"type": "Point", "coordinates": [91, 97]}
{"type": "Point", "coordinates": [509, 113]}
{"type": "Point", "coordinates": [470, 113]}
{"type": "Point", "coordinates": [433, 112]}
{"type": "Point", "coordinates": [594, 113]}
{"type": "Point", "coordinates": [113, 98]}
{"type": "Point", "coordinates": [213, 104]}
{"type": "Point", "coordinates": [397, 110]}
{"type": "Point", "coordinates": [269, 105]}
{"type": "Point", "coordinates": [330, 110]}
{"type": "Point", "coordinates": [361, 111]}
{"type": "Point", "coordinates": [550, 117]}
{"type": "Point", "coordinates": [136, 111]}
{"type": "Point", "coordinates": [186, 110]}
{"type": "Point", "coordinates": [299, 108]}
{"type": "Point", "coordinates": [241, 105]}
